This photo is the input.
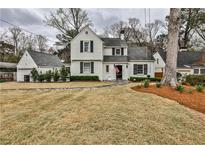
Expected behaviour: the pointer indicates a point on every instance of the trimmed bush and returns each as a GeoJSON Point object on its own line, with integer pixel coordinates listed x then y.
{"type": "Point", "coordinates": [41, 77]}
{"type": "Point", "coordinates": [63, 73]}
{"type": "Point", "coordinates": [84, 78]}
{"type": "Point", "coordinates": [1, 81]}
{"type": "Point", "coordinates": [34, 74]}
{"type": "Point", "coordinates": [199, 88]}
{"type": "Point", "coordinates": [146, 83]}
{"type": "Point", "coordinates": [158, 84]}
{"type": "Point", "coordinates": [48, 76]}
{"type": "Point", "coordinates": [56, 75]}
{"type": "Point", "coordinates": [195, 79]}
{"type": "Point", "coordinates": [139, 79]}
{"type": "Point", "coordinates": [180, 88]}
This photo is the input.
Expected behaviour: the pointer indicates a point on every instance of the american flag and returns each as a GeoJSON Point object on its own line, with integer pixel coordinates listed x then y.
{"type": "Point", "coordinates": [116, 69]}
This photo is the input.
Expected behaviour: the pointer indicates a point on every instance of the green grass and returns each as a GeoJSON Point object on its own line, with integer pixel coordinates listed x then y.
{"type": "Point", "coordinates": [117, 115]}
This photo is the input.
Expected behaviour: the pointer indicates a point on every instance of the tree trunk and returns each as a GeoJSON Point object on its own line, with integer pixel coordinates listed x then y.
{"type": "Point", "coordinates": [169, 77]}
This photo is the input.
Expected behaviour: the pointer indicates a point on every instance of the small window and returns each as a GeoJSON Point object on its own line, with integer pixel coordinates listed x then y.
{"type": "Point", "coordinates": [139, 69]}
{"type": "Point", "coordinates": [86, 32]}
{"type": "Point", "coordinates": [87, 68]}
{"type": "Point", "coordinates": [86, 46]}
{"type": "Point", "coordinates": [117, 52]}
{"type": "Point", "coordinates": [196, 71]}
{"type": "Point", "coordinates": [107, 68]}
{"type": "Point", "coordinates": [157, 60]}
{"type": "Point", "coordinates": [202, 71]}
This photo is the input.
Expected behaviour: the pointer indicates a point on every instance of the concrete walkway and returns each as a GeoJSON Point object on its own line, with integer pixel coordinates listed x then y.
{"type": "Point", "coordinates": [117, 83]}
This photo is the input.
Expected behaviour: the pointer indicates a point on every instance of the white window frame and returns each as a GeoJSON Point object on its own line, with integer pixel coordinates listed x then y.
{"type": "Point", "coordinates": [86, 70]}
{"type": "Point", "coordinates": [119, 52]}
{"type": "Point", "coordinates": [88, 48]}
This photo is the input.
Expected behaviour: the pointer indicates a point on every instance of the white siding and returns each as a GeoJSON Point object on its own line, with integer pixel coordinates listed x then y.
{"type": "Point", "coordinates": [108, 51]}
{"type": "Point", "coordinates": [150, 69]}
{"type": "Point", "coordinates": [111, 75]}
{"type": "Point", "coordinates": [159, 67]}
{"type": "Point", "coordinates": [75, 69]}
{"type": "Point", "coordinates": [25, 66]}
{"type": "Point", "coordinates": [97, 53]}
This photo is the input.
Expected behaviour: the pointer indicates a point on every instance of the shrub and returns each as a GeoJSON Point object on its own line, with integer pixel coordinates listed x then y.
{"type": "Point", "coordinates": [158, 84]}
{"type": "Point", "coordinates": [1, 81]}
{"type": "Point", "coordinates": [180, 88]}
{"type": "Point", "coordinates": [56, 75]}
{"type": "Point", "coordinates": [195, 79]}
{"type": "Point", "coordinates": [41, 77]}
{"type": "Point", "coordinates": [34, 74]}
{"type": "Point", "coordinates": [63, 73]}
{"type": "Point", "coordinates": [190, 91]}
{"type": "Point", "coordinates": [84, 78]}
{"type": "Point", "coordinates": [146, 83]}
{"type": "Point", "coordinates": [48, 76]}
{"type": "Point", "coordinates": [139, 79]}
{"type": "Point", "coordinates": [199, 88]}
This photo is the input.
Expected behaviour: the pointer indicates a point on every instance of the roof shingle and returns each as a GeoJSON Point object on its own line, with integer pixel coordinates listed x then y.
{"type": "Point", "coordinates": [44, 59]}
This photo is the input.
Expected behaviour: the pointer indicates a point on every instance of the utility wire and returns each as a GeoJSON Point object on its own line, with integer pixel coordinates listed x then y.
{"type": "Point", "coordinates": [23, 29]}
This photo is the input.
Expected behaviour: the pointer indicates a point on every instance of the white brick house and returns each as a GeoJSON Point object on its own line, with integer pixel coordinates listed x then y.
{"type": "Point", "coordinates": [108, 58]}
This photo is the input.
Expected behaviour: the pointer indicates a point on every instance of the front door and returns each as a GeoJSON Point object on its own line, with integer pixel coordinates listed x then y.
{"type": "Point", "coordinates": [118, 72]}
{"type": "Point", "coordinates": [26, 78]}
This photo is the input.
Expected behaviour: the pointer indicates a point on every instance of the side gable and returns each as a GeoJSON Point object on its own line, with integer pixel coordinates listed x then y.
{"type": "Point", "coordinates": [26, 61]}
{"type": "Point", "coordinates": [159, 61]}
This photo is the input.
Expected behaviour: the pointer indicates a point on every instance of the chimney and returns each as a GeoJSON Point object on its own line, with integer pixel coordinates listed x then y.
{"type": "Point", "coordinates": [122, 34]}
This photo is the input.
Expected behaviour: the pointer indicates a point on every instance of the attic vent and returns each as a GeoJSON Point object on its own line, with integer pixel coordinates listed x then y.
{"type": "Point", "coordinates": [86, 32]}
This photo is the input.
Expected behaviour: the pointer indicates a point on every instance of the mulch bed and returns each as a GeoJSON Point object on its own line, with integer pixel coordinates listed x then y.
{"type": "Point", "coordinates": [194, 100]}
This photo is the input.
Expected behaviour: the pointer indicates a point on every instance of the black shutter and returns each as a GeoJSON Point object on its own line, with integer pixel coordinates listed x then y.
{"type": "Point", "coordinates": [145, 69]}
{"type": "Point", "coordinates": [134, 69]}
{"type": "Point", "coordinates": [92, 67]}
{"type": "Point", "coordinates": [81, 46]}
{"type": "Point", "coordinates": [122, 51]}
{"type": "Point", "coordinates": [113, 51]}
{"type": "Point", "coordinates": [91, 46]}
{"type": "Point", "coordinates": [81, 67]}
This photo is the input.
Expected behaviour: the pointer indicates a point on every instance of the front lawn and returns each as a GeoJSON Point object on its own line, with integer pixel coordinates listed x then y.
{"type": "Point", "coordinates": [116, 115]}
{"type": "Point", "coordinates": [16, 85]}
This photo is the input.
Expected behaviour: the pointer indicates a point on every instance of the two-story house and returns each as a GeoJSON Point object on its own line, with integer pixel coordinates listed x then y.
{"type": "Point", "coordinates": [108, 58]}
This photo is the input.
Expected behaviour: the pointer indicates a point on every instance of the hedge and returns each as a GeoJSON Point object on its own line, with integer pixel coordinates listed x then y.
{"type": "Point", "coordinates": [84, 78]}
{"type": "Point", "coordinates": [139, 79]}
{"type": "Point", "coordinates": [195, 79]}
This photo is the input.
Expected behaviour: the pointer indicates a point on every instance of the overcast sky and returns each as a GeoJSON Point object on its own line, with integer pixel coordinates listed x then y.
{"type": "Point", "coordinates": [32, 19]}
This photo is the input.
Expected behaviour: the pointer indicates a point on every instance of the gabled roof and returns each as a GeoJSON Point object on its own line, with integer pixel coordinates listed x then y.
{"type": "Point", "coordinates": [115, 59]}
{"type": "Point", "coordinates": [44, 59]}
{"type": "Point", "coordinates": [185, 58]}
{"type": "Point", "coordinates": [139, 53]}
{"type": "Point", "coordinates": [114, 42]}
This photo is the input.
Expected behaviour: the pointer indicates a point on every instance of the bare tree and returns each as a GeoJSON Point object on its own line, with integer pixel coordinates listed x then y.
{"type": "Point", "coordinates": [16, 34]}
{"type": "Point", "coordinates": [68, 21]}
{"type": "Point", "coordinates": [169, 77]}
{"type": "Point", "coordinates": [41, 42]}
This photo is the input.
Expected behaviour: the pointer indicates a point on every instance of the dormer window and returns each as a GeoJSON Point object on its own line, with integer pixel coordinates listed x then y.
{"type": "Point", "coordinates": [117, 52]}
{"type": "Point", "coordinates": [86, 46]}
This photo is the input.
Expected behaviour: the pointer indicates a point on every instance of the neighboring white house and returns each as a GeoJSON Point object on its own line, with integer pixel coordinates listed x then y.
{"type": "Point", "coordinates": [33, 59]}
{"type": "Point", "coordinates": [108, 58]}
{"type": "Point", "coordinates": [187, 62]}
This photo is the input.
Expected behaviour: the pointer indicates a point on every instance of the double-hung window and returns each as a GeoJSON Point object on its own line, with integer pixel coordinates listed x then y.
{"type": "Point", "coordinates": [202, 71]}
{"type": "Point", "coordinates": [196, 71]}
{"type": "Point", "coordinates": [87, 67]}
{"type": "Point", "coordinates": [117, 52]}
{"type": "Point", "coordinates": [86, 46]}
{"type": "Point", "coordinates": [140, 69]}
